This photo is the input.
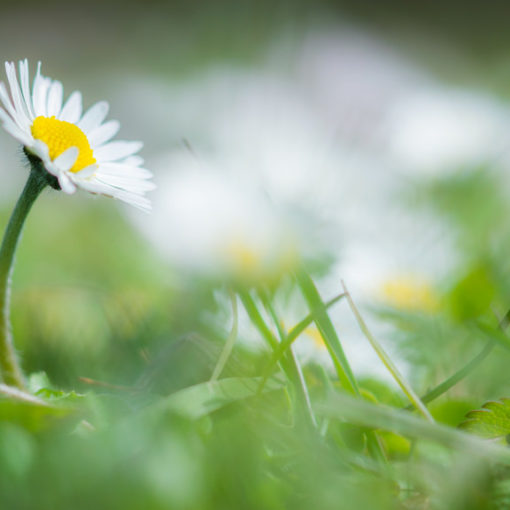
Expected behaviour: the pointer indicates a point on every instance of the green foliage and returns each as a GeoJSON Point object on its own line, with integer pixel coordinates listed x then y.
{"type": "Point", "coordinates": [491, 421]}
{"type": "Point", "coordinates": [121, 413]}
{"type": "Point", "coordinates": [30, 416]}
{"type": "Point", "coordinates": [202, 399]}
{"type": "Point", "coordinates": [473, 294]}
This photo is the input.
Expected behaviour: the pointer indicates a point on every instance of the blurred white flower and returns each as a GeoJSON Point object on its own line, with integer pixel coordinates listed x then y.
{"type": "Point", "coordinates": [218, 227]}
{"type": "Point", "coordinates": [256, 127]}
{"type": "Point", "coordinates": [353, 79]}
{"type": "Point", "coordinates": [437, 129]}
{"type": "Point", "coordinates": [74, 148]}
{"type": "Point", "coordinates": [267, 135]}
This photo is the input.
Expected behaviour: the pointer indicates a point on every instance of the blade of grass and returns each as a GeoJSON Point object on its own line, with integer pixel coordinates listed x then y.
{"type": "Point", "coordinates": [293, 335]}
{"type": "Point", "coordinates": [288, 363]}
{"type": "Point", "coordinates": [346, 408]}
{"type": "Point", "coordinates": [387, 361]}
{"type": "Point", "coordinates": [229, 344]}
{"type": "Point", "coordinates": [457, 376]}
{"type": "Point", "coordinates": [336, 352]}
{"type": "Point", "coordinates": [257, 319]}
{"type": "Point", "coordinates": [327, 330]}
{"type": "Point", "coordinates": [302, 387]}
{"type": "Point", "coordinates": [498, 336]}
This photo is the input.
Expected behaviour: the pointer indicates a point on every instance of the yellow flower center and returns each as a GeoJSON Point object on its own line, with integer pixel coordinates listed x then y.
{"type": "Point", "coordinates": [245, 257]}
{"type": "Point", "coordinates": [59, 136]}
{"type": "Point", "coordinates": [411, 294]}
{"type": "Point", "coordinates": [316, 336]}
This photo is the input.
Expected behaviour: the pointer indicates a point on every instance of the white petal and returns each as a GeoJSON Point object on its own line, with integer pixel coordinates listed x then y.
{"type": "Point", "coordinates": [72, 109]}
{"type": "Point", "coordinates": [25, 87]}
{"type": "Point", "coordinates": [133, 185]}
{"type": "Point", "coordinates": [93, 186]}
{"type": "Point", "coordinates": [103, 133]}
{"type": "Point", "coordinates": [4, 97]}
{"type": "Point", "coordinates": [116, 150]}
{"type": "Point", "coordinates": [40, 92]}
{"type": "Point", "coordinates": [40, 149]}
{"type": "Point", "coordinates": [93, 117]}
{"type": "Point", "coordinates": [67, 159]}
{"type": "Point", "coordinates": [137, 201]}
{"type": "Point", "coordinates": [13, 129]}
{"type": "Point", "coordinates": [122, 169]}
{"type": "Point", "coordinates": [66, 184]}
{"type": "Point", "coordinates": [19, 104]}
{"type": "Point", "coordinates": [87, 172]}
{"type": "Point", "coordinates": [133, 161]}
{"type": "Point", "coordinates": [55, 99]}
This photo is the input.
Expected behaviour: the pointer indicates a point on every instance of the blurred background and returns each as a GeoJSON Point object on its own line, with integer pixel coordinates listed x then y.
{"type": "Point", "coordinates": [357, 135]}
{"type": "Point", "coordinates": [370, 141]}
{"type": "Point", "coordinates": [367, 140]}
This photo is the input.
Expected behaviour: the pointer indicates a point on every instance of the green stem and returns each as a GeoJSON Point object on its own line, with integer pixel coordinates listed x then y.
{"type": "Point", "coordinates": [11, 372]}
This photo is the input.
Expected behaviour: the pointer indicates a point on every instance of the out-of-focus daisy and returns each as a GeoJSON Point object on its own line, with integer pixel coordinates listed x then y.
{"type": "Point", "coordinates": [435, 130]}
{"type": "Point", "coordinates": [217, 227]}
{"type": "Point", "coordinates": [74, 147]}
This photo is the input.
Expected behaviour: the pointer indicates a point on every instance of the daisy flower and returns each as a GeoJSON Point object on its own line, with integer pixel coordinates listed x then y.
{"type": "Point", "coordinates": [74, 148]}
{"type": "Point", "coordinates": [216, 227]}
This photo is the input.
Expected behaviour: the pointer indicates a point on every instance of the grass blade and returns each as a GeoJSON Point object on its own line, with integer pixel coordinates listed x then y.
{"type": "Point", "coordinates": [299, 376]}
{"type": "Point", "coordinates": [229, 344]}
{"type": "Point", "coordinates": [388, 363]}
{"type": "Point", "coordinates": [293, 335]}
{"type": "Point", "coordinates": [327, 330]}
{"type": "Point", "coordinates": [288, 363]}
{"type": "Point", "coordinates": [345, 407]}
{"type": "Point", "coordinates": [330, 337]}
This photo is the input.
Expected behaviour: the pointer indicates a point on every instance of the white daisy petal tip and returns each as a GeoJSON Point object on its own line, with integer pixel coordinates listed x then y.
{"type": "Point", "coordinates": [66, 184]}
{"type": "Point", "coordinates": [134, 160]}
{"type": "Point", "coordinates": [74, 149]}
{"type": "Point", "coordinates": [40, 149]}
{"type": "Point", "coordinates": [67, 159]}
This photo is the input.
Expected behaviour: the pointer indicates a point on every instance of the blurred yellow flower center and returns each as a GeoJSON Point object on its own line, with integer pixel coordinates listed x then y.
{"type": "Point", "coordinates": [316, 336]}
{"type": "Point", "coordinates": [245, 257]}
{"type": "Point", "coordinates": [59, 136]}
{"type": "Point", "coordinates": [409, 293]}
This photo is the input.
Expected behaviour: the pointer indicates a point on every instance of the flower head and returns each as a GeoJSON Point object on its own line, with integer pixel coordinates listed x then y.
{"type": "Point", "coordinates": [216, 227]}
{"type": "Point", "coordinates": [72, 146]}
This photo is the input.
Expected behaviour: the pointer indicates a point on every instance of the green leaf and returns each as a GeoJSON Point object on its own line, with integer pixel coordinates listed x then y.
{"type": "Point", "coordinates": [37, 381]}
{"type": "Point", "coordinates": [28, 411]}
{"type": "Point", "coordinates": [36, 412]}
{"type": "Point", "coordinates": [491, 421]}
{"type": "Point", "coordinates": [62, 397]}
{"type": "Point", "coordinates": [40, 386]}
{"type": "Point", "coordinates": [205, 398]}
